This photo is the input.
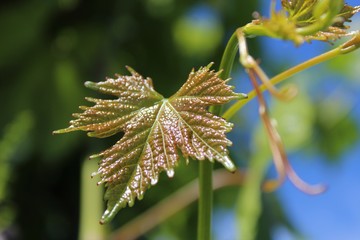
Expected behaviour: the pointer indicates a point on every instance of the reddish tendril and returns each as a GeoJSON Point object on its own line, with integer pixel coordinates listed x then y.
{"type": "Point", "coordinates": [281, 161]}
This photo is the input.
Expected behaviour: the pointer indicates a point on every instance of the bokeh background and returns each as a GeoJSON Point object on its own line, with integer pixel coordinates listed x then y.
{"type": "Point", "coordinates": [48, 49]}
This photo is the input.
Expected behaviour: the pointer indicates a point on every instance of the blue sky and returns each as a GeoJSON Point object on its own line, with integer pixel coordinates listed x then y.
{"type": "Point", "coordinates": [335, 214]}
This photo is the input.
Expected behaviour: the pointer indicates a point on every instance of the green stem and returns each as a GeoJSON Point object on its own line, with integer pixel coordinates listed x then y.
{"type": "Point", "coordinates": [228, 57]}
{"type": "Point", "coordinates": [206, 167]}
{"type": "Point", "coordinates": [205, 200]}
{"type": "Point", "coordinates": [91, 204]}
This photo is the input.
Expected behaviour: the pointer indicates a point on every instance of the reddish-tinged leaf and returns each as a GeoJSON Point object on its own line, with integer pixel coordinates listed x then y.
{"type": "Point", "coordinates": [155, 129]}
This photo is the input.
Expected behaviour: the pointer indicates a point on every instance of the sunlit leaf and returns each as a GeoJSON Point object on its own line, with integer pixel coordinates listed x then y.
{"type": "Point", "coordinates": [155, 128]}
{"type": "Point", "coordinates": [304, 13]}
{"type": "Point", "coordinates": [304, 20]}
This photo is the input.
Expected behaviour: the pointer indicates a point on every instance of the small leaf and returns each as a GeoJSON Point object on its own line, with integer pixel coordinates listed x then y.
{"type": "Point", "coordinates": [345, 15]}
{"type": "Point", "coordinates": [338, 29]}
{"type": "Point", "coordinates": [155, 129]}
{"type": "Point", "coordinates": [304, 20]}
{"type": "Point", "coordinates": [304, 13]}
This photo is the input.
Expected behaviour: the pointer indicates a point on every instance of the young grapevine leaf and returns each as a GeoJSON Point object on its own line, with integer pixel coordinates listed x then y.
{"type": "Point", "coordinates": [305, 20]}
{"type": "Point", "coordinates": [306, 12]}
{"type": "Point", "coordinates": [155, 129]}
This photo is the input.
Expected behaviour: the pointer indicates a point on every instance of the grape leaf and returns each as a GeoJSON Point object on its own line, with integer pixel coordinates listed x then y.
{"type": "Point", "coordinates": [155, 129]}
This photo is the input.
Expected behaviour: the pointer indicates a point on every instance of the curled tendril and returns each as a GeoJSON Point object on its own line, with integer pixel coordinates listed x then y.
{"type": "Point", "coordinates": [298, 21]}
{"type": "Point", "coordinates": [281, 161]}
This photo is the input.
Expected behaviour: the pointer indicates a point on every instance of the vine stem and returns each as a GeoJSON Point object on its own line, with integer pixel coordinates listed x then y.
{"type": "Point", "coordinates": [91, 205]}
{"type": "Point", "coordinates": [206, 167]}
{"type": "Point", "coordinates": [205, 200]}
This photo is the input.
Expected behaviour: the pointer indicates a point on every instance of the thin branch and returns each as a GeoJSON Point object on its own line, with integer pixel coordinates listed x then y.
{"type": "Point", "coordinates": [281, 161]}
{"type": "Point", "coordinates": [173, 204]}
{"type": "Point", "coordinates": [347, 47]}
{"type": "Point", "coordinates": [273, 136]}
{"type": "Point", "coordinates": [281, 77]}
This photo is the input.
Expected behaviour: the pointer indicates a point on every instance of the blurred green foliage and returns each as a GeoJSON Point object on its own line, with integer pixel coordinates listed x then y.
{"type": "Point", "coordinates": [13, 148]}
{"type": "Point", "coordinates": [48, 49]}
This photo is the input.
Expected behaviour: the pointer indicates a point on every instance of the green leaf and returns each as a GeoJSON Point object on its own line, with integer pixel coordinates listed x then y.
{"type": "Point", "coordinates": [155, 129]}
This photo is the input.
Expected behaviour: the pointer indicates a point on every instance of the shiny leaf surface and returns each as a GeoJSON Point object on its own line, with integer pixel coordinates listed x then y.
{"type": "Point", "coordinates": [155, 129]}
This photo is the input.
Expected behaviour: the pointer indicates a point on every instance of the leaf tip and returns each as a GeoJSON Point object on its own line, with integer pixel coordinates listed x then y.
{"type": "Point", "coordinates": [91, 134]}
{"type": "Point", "coordinates": [154, 180]}
{"type": "Point", "coordinates": [131, 202]}
{"type": "Point", "coordinates": [242, 96]}
{"type": "Point", "coordinates": [106, 217]}
{"type": "Point", "coordinates": [210, 65]}
{"type": "Point", "coordinates": [131, 70]}
{"type": "Point", "coordinates": [228, 164]}
{"type": "Point", "coordinates": [56, 132]}
{"type": "Point", "coordinates": [95, 156]}
{"type": "Point", "coordinates": [94, 174]}
{"type": "Point", "coordinates": [170, 172]}
{"type": "Point", "coordinates": [64, 130]}
{"type": "Point", "coordinates": [91, 85]}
